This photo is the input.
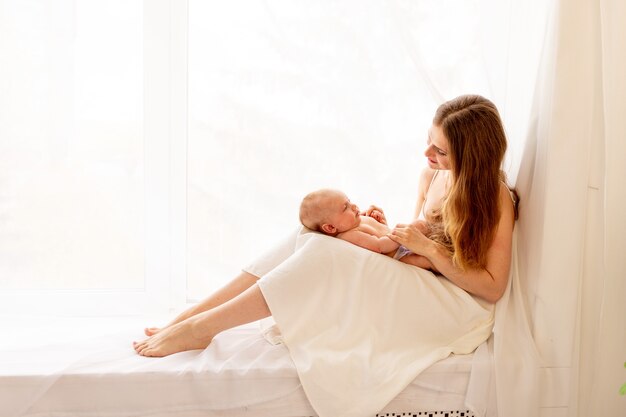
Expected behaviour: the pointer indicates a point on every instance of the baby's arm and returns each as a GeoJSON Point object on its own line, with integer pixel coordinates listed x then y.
{"type": "Point", "coordinates": [365, 240]}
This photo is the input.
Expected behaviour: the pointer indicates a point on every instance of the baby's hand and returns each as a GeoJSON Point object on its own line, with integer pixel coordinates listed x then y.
{"type": "Point", "coordinates": [378, 216]}
{"type": "Point", "coordinates": [375, 213]}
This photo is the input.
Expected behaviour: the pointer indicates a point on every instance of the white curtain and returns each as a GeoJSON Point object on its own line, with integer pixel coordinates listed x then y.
{"type": "Point", "coordinates": [299, 96]}
{"type": "Point", "coordinates": [572, 227]}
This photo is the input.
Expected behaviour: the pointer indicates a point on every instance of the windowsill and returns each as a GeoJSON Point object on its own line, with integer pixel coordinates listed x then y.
{"type": "Point", "coordinates": [37, 331]}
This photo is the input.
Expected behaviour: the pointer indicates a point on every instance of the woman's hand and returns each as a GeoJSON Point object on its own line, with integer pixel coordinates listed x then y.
{"type": "Point", "coordinates": [375, 213]}
{"type": "Point", "coordinates": [413, 237]}
{"type": "Point", "coordinates": [423, 226]}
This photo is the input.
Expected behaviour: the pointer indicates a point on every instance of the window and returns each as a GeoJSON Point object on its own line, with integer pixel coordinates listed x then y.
{"type": "Point", "coordinates": [143, 166]}
{"type": "Point", "coordinates": [74, 214]}
{"type": "Point", "coordinates": [72, 147]}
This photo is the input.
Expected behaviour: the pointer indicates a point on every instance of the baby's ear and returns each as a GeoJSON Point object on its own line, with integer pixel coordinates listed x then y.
{"type": "Point", "coordinates": [328, 228]}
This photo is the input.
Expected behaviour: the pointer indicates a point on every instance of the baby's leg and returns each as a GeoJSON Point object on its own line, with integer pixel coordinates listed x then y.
{"type": "Point", "coordinates": [417, 260]}
{"type": "Point", "coordinates": [235, 287]}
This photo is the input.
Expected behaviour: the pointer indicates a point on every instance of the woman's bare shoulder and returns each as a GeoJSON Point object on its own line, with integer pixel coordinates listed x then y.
{"type": "Point", "coordinates": [427, 173]}
{"type": "Point", "coordinates": [507, 202]}
{"type": "Point", "coordinates": [426, 176]}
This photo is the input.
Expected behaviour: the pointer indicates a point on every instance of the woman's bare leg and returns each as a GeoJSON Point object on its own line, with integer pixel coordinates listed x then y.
{"type": "Point", "coordinates": [238, 285]}
{"type": "Point", "coordinates": [197, 331]}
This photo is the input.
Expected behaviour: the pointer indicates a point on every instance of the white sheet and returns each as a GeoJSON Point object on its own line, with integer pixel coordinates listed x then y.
{"type": "Point", "coordinates": [239, 373]}
{"type": "Point", "coordinates": [83, 367]}
{"type": "Point", "coordinates": [361, 326]}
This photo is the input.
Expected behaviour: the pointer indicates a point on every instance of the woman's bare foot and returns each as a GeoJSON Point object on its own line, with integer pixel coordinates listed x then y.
{"type": "Point", "coordinates": [151, 331]}
{"type": "Point", "coordinates": [172, 339]}
{"type": "Point", "coordinates": [197, 331]}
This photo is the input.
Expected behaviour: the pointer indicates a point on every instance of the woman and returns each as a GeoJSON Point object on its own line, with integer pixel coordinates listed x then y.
{"type": "Point", "coordinates": [463, 191]}
{"type": "Point", "coordinates": [464, 199]}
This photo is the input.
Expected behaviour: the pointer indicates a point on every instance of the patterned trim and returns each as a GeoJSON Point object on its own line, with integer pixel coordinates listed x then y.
{"type": "Point", "coordinates": [465, 413]}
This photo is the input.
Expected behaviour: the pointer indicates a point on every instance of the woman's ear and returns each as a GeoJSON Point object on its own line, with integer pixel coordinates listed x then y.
{"type": "Point", "coordinates": [329, 229]}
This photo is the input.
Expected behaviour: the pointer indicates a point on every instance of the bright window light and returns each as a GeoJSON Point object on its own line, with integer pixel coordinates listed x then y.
{"type": "Point", "coordinates": [149, 150]}
{"type": "Point", "coordinates": [287, 97]}
{"type": "Point", "coordinates": [71, 146]}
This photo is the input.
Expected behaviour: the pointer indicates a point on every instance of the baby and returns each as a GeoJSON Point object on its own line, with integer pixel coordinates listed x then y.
{"type": "Point", "coordinates": [331, 212]}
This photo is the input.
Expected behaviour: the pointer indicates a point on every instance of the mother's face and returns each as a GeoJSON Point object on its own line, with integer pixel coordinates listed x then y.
{"type": "Point", "coordinates": [437, 151]}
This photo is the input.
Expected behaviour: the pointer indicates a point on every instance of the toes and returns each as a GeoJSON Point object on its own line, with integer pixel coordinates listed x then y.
{"type": "Point", "coordinates": [154, 330]}
{"type": "Point", "coordinates": [140, 346]}
{"type": "Point", "coordinates": [151, 352]}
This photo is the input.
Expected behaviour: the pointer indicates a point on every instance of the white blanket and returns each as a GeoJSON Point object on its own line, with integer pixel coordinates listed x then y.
{"type": "Point", "coordinates": [88, 369]}
{"type": "Point", "coordinates": [361, 326]}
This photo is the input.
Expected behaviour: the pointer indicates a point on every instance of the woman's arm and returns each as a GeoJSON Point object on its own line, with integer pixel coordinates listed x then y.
{"type": "Point", "coordinates": [488, 283]}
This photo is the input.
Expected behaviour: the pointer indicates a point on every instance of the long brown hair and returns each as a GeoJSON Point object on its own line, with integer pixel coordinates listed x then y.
{"type": "Point", "coordinates": [476, 147]}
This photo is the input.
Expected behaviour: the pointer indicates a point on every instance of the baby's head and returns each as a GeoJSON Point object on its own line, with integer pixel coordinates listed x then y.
{"type": "Point", "coordinates": [329, 211]}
